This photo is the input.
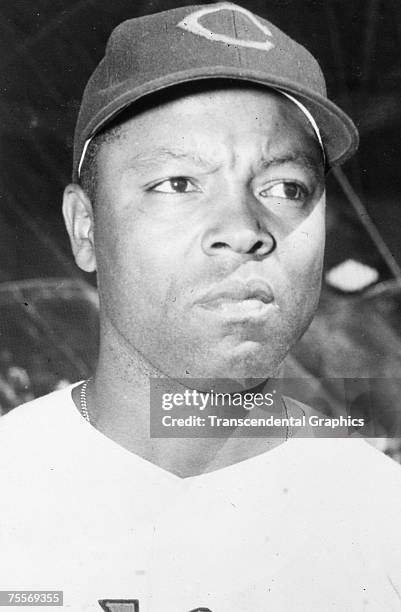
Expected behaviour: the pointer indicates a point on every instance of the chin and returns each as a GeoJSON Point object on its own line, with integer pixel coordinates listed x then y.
{"type": "Point", "coordinates": [248, 365]}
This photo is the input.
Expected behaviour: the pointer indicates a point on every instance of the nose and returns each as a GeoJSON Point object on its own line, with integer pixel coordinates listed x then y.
{"type": "Point", "coordinates": [239, 228]}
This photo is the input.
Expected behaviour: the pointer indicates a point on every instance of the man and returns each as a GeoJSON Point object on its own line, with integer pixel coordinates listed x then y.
{"type": "Point", "coordinates": [198, 198]}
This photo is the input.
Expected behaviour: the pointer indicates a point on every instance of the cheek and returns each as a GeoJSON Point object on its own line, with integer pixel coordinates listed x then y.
{"type": "Point", "coordinates": [137, 269]}
{"type": "Point", "coordinates": [302, 255]}
{"type": "Point", "coordinates": [306, 243]}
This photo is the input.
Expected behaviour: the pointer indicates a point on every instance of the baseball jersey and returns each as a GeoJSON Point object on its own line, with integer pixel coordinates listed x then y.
{"type": "Point", "coordinates": [311, 525]}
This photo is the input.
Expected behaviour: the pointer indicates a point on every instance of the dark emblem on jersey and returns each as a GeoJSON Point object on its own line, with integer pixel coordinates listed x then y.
{"type": "Point", "coordinates": [120, 605]}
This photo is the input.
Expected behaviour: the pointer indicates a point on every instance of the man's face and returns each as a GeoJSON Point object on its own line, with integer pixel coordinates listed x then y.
{"type": "Point", "coordinates": [209, 233]}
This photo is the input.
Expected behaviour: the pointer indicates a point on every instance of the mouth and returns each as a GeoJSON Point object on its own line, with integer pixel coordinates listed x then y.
{"type": "Point", "coordinates": [250, 299]}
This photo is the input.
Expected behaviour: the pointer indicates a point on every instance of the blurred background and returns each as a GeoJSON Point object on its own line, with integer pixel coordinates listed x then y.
{"type": "Point", "coordinates": [48, 307]}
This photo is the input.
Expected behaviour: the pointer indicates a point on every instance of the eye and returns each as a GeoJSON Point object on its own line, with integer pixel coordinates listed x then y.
{"type": "Point", "coordinates": [176, 184]}
{"type": "Point", "coordinates": [287, 190]}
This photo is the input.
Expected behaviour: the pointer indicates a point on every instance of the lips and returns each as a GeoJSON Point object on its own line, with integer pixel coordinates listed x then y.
{"type": "Point", "coordinates": [238, 298]}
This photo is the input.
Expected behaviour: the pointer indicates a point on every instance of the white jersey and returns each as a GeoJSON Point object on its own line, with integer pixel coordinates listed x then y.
{"type": "Point", "coordinates": [312, 525]}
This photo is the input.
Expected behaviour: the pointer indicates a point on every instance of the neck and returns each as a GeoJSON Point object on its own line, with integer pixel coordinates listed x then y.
{"type": "Point", "coordinates": [118, 400]}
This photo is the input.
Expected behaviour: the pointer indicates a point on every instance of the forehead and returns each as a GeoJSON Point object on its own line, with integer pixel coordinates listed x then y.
{"type": "Point", "coordinates": [215, 118]}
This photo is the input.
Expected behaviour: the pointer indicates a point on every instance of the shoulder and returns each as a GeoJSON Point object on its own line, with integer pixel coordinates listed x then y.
{"type": "Point", "coordinates": [350, 473]}
{"type": "Point", "coordinates": [339, 459]}
{"type": "Point", "coordinates": [29, 425]}
{"type": "Point", "coordinates": [363, 460]}
{"type": "Point", "coordinates": [37, 408]}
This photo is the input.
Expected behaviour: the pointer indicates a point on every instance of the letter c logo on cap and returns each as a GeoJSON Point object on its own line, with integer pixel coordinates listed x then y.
{"type": "Point", "coordinates": [191, 24]}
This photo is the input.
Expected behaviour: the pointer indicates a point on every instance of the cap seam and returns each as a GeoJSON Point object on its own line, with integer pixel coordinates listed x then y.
{"type": "Point", "coordinates": [237, 49]}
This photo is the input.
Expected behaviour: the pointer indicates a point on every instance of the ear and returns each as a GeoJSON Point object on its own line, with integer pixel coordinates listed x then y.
{"type": "Point", "coordinates": [78, 219]}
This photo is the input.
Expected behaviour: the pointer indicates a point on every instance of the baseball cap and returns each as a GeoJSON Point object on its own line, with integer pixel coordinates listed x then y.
{"type": "Point", "coordinates": [223, 40]}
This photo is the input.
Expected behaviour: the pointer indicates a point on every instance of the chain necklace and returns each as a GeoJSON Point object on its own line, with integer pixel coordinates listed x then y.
{"type": "Point", "coordinates": [83, 402]}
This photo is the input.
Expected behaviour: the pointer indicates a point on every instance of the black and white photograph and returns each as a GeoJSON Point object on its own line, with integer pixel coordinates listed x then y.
{"type": "Point", "coordinates": [200, 306]}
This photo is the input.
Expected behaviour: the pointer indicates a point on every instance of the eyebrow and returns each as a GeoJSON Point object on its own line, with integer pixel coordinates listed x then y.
{"type": "Point", "coordinates": [161, 154]}
{"type": "Point", "coordinates": [299, 158]}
